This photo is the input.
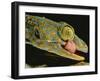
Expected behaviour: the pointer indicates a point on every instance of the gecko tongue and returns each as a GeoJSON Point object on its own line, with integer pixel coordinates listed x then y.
{"type": "Point", "coordinates": [70, 46]}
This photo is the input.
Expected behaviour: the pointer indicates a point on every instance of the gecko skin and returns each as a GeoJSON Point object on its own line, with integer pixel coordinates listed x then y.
{"type": "Point", "coordinates": [56, 37]}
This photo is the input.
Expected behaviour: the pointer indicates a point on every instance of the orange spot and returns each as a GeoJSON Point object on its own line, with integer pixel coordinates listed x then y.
{"type": "Point", "coordinates": [53, 33]}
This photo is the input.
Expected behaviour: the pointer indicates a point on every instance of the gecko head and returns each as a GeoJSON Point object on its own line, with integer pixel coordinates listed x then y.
{"type": "Point", "coordinates": [35, 30]}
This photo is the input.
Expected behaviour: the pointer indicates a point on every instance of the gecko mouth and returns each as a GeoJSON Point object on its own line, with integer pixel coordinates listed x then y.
{"type": "Point", "coordinates": [70, 48]}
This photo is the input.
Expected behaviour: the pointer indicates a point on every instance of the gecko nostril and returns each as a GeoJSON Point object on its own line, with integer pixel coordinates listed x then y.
{"type": "Point", "coordinates": [37, 34]}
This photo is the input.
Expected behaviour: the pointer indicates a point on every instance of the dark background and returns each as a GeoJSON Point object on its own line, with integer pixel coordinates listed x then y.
{"type": "Point", "coordinates": [80, 23]}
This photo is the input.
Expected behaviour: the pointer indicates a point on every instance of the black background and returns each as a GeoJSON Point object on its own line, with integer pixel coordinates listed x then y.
{"type": "Point", "coordinates": [80, 23]}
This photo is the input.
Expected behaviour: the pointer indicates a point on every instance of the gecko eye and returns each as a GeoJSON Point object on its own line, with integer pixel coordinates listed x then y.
{"type": "Point", "coordinates": [37, 34]}
{"type": "Point", "coordinates": [67, 33]}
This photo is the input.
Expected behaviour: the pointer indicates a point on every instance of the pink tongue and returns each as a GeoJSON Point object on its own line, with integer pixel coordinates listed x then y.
{"type": "Point", "coordinates": [70, 46]}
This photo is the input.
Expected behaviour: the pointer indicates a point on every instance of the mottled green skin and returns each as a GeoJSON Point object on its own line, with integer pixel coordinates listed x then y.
{"type": "Point", "coordinates": [45, 34]}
